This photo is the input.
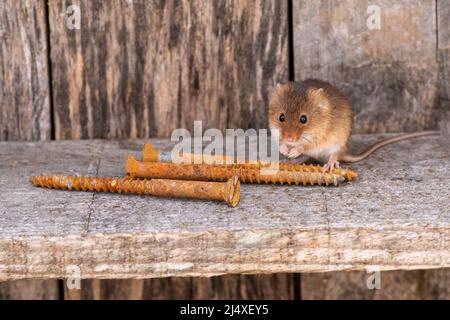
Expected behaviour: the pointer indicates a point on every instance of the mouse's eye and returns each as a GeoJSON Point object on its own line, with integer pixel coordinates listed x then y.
{"type": "Point", "coordinates": [282, 117]}
{"type": "Point", "coordinates": [303, 119]}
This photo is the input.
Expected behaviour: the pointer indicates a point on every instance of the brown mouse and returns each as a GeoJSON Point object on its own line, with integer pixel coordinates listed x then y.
{"type": "Point", "coordinates": [315, 120]}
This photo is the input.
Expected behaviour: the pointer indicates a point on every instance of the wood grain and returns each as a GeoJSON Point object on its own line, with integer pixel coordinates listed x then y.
{"type": "Point", "coordinates": [443, 13]}
{"type": "Point", "coordinates": [390, 74]}
{"type": "Point", "coordinates": [144, 68]}
{"type": "Point", "coordinates": [35, 163]}
{"type": "Point", "coordinates": [24, 89]}
{"type": "Point", "coordinates": [395, 216]}
{"type": "Point", "coordinates": [94, 289]}
{"type": "Point", "coordinates": [24, 101]}
{"type": "Point", "coordinates": [410, 285]}
{"type": "Point", "coordinates": [277, 286]}
{"type": "Point", "coordinates": [29, 290]}
{"type": "Point", "coordinates": [245, 287]}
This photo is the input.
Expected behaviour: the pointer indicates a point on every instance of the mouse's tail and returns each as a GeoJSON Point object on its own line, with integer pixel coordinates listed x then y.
{"type": "Point", "coordinates": [378, 145]}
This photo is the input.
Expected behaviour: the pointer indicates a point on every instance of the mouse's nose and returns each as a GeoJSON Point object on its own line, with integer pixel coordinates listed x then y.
{"type": "Point", "coordinates": [290, 137]}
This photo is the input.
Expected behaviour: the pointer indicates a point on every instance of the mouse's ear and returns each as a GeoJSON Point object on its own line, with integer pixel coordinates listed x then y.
{"type": "Point", "coordinates": [318, 97]}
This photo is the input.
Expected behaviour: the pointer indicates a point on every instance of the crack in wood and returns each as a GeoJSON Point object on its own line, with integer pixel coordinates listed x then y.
{"type": "Point", "coordinates": [90, 206]}
{"type": "Point", "coordinates": [325, 203]}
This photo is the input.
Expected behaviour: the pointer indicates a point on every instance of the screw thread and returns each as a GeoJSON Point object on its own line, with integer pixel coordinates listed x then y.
{"type": "Point", "coordinates": [228, 192]}
{"type": "Point", "coordinates": [151, 154]}
{"type": "Point", "coordinates": [247, 173]}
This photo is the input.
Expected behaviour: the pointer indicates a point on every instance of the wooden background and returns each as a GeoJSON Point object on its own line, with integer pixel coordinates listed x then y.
{"type": "Point", "coordinates": [142, 68]}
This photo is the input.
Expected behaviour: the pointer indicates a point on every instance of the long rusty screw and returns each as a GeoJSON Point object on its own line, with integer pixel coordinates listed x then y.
{"type": "Point", "coordinates": [309, 174]}
{"type": "Point", "coordinates": [228, 191]}
{"type": "Point", "coordinates": [151, 154]}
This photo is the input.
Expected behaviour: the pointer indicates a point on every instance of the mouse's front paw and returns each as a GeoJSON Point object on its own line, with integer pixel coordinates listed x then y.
{"type": "Point", "coordinates": [295, 153]}
{"type": "Point", "coordinates": [284, 150]}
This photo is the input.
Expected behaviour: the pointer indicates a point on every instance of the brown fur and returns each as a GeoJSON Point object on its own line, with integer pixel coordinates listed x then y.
{"type": "Point", "coordinates": [328, 111]}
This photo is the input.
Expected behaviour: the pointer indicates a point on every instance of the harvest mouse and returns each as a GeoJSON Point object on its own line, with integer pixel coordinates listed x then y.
{"type": "Point", "coordinates": [315, 120]}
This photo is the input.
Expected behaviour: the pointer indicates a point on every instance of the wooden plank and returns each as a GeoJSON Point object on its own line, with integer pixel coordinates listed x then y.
{"type": "Point", "coordinates": [410, 285]}
{"type": "Point", "coordinates": [435, 284]}
{"type": "Point", "coordinates": [29, 290]}
{"type": "Point", "coordinates": [277, 286]}
{"type": "Point", "coordinates": [245, 287]}
{"type": "Point", "coordinates": [376, 69]}
{"type": "Point", "coordinates": [94, 289]}
{"type": "Point", "coordinates": [62, 217]}
{"type": "Point", "coordinates": [444, 64]}
{"type": "Point", "coordinates": [144, 68]}
{"type": "Point", "coordinates": [390, 74]}
{"type": "Point", "coordinates": [395, 217]}
{"type": "Point", "coordinates": [24, 102]}
{"type": "Point", "coordinates": [24, 89]}
{"type": "Point", "coordinates": [54, 214]}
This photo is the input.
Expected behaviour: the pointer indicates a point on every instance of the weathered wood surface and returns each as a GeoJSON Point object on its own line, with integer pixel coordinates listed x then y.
{"type": "Point", "coordinates": [408, 285]}
{"type": "Point", "coordinates": [143, 68]}
{"type": "Point", "coordinates": [390, 74]}
{"type": "Point", "coordinates": [29, 290]}
{"type": "Point", "coordinates": [24, 101]}
{"type": "Point", "coordinates": [411, 285]}
{"type": "Point", "coordinates": [267, 286]}
{"type": "Point", "coordinates": [24, 83]}
{"type": "Point", "coordinates": [394, 217]}
{"type": "Point", "coordinates": [444, 64]}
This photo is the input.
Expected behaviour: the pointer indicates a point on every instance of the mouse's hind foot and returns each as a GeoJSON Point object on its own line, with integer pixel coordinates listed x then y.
{"type": "Point", "coordinates": [331, 164]}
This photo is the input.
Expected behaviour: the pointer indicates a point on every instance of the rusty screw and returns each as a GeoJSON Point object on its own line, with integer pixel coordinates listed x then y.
{"type": "Point", "coordinates": [247, 173]}
{"type": "Point", "coordinates": [228, 191]}
{"type": "Point", "coordinates": [151, 154]}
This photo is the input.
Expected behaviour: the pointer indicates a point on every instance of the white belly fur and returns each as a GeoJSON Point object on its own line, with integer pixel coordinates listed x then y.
{"type": "Point", "coordinates": [323, 153]}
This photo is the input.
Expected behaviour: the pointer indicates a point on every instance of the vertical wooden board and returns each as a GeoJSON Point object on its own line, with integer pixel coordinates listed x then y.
{"type": "Point", "coordinates": [417, 284]}
{"type": "Point", "coordinates": [167, 288]}
{"type": "Point", "coordinates": [24, 102]}
{"type": "Point", "coordinates": [143, 68]}
{"type": "Point", "coordinates": [276, 286]}
{"type": "Point", "coordinates": [246, 287]}
{"type": "Point", "coordinates": [443, 12]}
{"type": "Point", "coordinates": [24, 89]}
{"type": "Point", "coordinates": [390, 74]}
{"type": "Point", "coordinates": [95, 289]}
{"type": "Point", "coordinates": [131, 289]}
{"type": "Point", "coordinates": [436, 284]}
{"type": "Point", "coordinates": [29, 290]}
